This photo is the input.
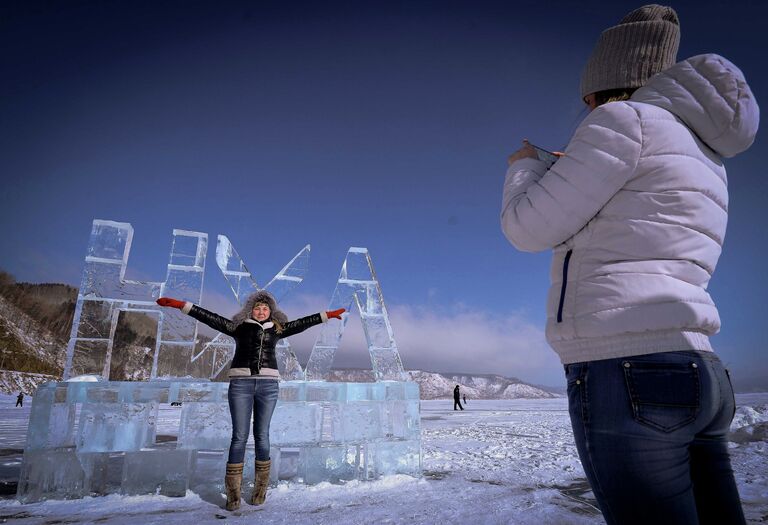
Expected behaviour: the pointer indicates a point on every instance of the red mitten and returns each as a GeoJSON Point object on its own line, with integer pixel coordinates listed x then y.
{"type": "Point", "coordinates": [335, 314]}
{"type": "Point", "coordinates": [173, 303]}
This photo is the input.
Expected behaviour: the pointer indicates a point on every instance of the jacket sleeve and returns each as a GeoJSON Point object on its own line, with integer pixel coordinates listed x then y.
{"type": "Point", "coordinates": [541, 209]}
{"type": "Point", "coordinates": [299, 325]}
{"type": "Point", "coordinates": [215, 321]}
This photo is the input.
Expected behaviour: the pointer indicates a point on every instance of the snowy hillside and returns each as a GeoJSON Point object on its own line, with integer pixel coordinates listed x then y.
{"type": "Point", "coordinates": [434, 385]}
{"type": "Point", "coordinates": [489, 386]}
{"type": "Point", "coordinates": [21, 334]}
{"type": "Point", "coordinates": [14, 382]}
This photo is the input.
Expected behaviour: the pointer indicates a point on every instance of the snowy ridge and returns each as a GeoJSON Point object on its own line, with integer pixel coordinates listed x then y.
{"type": "Point", "coordinates": [12, 382]}
{"type": "Point", "coordinates": [491, 386]}
{"type": "Point", "coordinates": [434, 385]}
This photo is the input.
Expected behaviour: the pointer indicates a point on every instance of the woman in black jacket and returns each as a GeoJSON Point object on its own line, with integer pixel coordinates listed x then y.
{"type": "Point", "coordinates": [253, 379]}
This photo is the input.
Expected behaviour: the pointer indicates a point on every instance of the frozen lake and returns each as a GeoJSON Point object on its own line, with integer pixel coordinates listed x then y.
{"type": "Point", "coordinates": [499, 461]}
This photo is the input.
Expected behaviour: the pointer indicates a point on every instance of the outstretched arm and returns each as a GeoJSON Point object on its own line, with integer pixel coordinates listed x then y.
{"type": "Point", "coordinates": [299, 325]}
{"type": "Point", "coordinates": [215, 321]}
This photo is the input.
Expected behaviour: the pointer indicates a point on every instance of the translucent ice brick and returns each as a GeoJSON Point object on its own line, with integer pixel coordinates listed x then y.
{"type": "Point", "coordinates": [394, 390]}
{"type": "Point", "coordinates": [398, 457]}
{"type": "Point", "coordinates": [362, 391]}
{"type": "Point", "coordinates": [400, 420]}
{"type": "Point", "coordinates": [203, 391]}
{"type": "Point", "coordinates": [325, 391]}
{"type": "Point", "coordinates": [144, 391]}
{"type": "Point", "coordinates": [205, 426]}
{"type": "Point", "coordinates": [110, 427]}
{"type": "Point", "coordinates": [329, 463]}
{"type": "Point", "coordinates": [293, 391]}
{"type": "Point", "coordinates": [102, 472]}
{"type": "Point", "coordinates": [361, 421]}
{"type": "Point", "coordinates": [103, 392]}
{"type": "Point", "coordinates": [412, 390]}
{"type": "Point", "coordinates": [331, 430]}
{"type": "Point", "coordinates": [207, 478]}
{"type": "Point", "coordinates": [50, 424]}
{"type": "Point", "coordinates": [296, 423]}
{"type": "Point", "coordinates": [165, 472]}
{"type": "Point", "coordinates": [289, 463]}
{"type": "Point", "coordinates": [50, 474]}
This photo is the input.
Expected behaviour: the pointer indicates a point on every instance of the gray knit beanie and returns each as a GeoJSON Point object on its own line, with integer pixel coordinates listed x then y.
{"type": "Point", "coordinates": [627, 55]}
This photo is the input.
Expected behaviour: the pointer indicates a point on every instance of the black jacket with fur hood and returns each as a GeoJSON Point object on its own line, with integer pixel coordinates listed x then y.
{"type": "Point", "coordinates": [255, 342]}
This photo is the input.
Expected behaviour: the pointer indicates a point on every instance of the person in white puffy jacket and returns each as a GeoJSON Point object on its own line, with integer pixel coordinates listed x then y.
{"type": "Point", "coordinates": [635, 212]}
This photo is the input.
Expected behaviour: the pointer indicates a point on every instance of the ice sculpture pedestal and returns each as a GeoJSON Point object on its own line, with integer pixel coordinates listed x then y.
{"type": "Point", "coordinates": [101, 437]}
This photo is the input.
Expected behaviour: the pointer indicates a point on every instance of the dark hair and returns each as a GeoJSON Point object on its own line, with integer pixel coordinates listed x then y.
{"type": "Point", "coordinates": [613, 95]}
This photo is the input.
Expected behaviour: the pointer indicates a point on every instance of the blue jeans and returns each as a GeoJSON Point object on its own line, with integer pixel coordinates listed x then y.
{"type": "Point", "coordinates": [651, 435]}
{"type": "Point", "coordinates": [246, 396]}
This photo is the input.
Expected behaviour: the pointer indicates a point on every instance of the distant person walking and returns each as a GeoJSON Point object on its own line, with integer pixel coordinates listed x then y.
{"type": "Point", "coordinates": [253, 379]}
{"type": "Point", "coordinates": [457, 398]}
{"type": "Point", "coordinates": [20, 399]}
{"type": "Point", "coordinates": [464, 397]}
{"type": "Point", "coordinates": [635, 211]}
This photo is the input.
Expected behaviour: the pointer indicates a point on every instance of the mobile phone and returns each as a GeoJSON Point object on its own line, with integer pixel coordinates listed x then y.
{"type": "Point", "coordinates": [544, 155]}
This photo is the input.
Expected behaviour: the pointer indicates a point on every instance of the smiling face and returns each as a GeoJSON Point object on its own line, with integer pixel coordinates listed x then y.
{"type": "Point", "coordinates": [261, 312]}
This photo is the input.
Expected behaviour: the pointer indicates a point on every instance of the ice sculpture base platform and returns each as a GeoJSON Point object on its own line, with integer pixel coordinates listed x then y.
{"type": "Point", "coordinates": [94, 438]}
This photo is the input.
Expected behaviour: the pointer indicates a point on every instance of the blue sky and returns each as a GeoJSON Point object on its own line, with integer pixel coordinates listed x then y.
{"type": "Point", "coordinates": [377, 124]}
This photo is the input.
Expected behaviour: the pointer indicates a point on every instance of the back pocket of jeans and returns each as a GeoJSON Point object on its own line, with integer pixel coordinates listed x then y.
{"type": "Point", "coordinates": [664, 396]}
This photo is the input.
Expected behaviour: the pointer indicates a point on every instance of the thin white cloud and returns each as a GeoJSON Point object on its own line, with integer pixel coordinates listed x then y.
{"type": "Point", "coordinates": [464, 340]}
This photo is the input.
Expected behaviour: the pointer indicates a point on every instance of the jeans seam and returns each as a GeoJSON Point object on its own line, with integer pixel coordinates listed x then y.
{"type": "Point", "coordinates": [630, 391]}
{"type": "Point", "coordinates": [588, 446]}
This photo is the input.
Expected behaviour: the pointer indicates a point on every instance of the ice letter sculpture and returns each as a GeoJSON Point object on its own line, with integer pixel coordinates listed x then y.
{"type": "Point", "coordinates": [243, 284]}
{"type": "Point", "coordinates": [104, 293]}
{"type": "Point", "coordinates": [358, 284]}
{"type": "Point", "coordinates": [89, 438]}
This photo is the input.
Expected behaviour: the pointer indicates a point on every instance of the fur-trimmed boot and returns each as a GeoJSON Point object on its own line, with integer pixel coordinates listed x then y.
{"type": "Point", "coordinates": [261, 482]}
{"type": "Point", "coordinates": [233, 481]}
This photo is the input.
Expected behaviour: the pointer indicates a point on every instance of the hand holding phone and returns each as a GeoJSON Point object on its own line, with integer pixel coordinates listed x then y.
{"type": "Point", "coordinates": [534, 152]}
{"type": "Point", "coordinates": [548, 157]}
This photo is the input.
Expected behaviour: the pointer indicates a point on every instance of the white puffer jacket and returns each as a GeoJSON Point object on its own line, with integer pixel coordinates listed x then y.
{"type": "Point", "coordinates": [636, 213]}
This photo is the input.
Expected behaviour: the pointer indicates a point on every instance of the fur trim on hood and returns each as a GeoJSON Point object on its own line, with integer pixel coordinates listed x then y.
{"type": "Point", "coordinates": [262, 296]}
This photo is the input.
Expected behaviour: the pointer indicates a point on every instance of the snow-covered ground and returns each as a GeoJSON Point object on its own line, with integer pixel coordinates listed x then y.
{"type": "Point", "coordinates": [505, 461]}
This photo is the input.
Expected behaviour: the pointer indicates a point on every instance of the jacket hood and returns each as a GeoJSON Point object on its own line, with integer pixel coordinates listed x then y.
{"type": "Point", "coordinates": [262, 296]}
{"type": "Point", "coordinates": [712, 97]}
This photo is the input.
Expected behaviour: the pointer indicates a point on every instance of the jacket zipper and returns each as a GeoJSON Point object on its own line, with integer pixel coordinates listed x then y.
{"type": "Point", "coordinates": [562, 288]}
{"type": "Point", "coordinates": [261, 345]}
